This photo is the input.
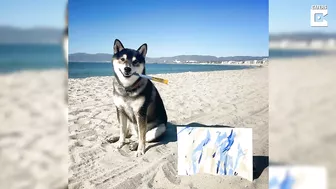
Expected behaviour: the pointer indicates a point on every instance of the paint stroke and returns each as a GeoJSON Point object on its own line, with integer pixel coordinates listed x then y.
{"type": "Point", "coordinates": [218, 151]}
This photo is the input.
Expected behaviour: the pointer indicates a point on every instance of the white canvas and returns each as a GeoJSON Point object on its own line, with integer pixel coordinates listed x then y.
{"type": "Point", "coordinates": [215, 150]}
{"type": "Point", "coordinates": [297, 177]}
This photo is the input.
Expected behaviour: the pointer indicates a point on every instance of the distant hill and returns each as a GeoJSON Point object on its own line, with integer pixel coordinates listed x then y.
{"type": "Point", "coordinates": [84, 57]}
{"type": "Point", "coordinates": [13, 35]}
{"type": "Point", "coordinates": [201, 58]}
{"type": "Point", "coordinates": [302, 36]}
{"type": "Point", "coordinates": [102, 57]}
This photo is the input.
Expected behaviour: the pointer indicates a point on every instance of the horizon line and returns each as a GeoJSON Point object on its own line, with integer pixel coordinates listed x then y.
{"type": "Point", "coordinates": [32, 27]}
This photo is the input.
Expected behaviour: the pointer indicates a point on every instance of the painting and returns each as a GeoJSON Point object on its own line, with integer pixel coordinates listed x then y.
{"type": "Point", "coordinates": [215, 150]}
{"type": "Point", "coordinates": [297, 177]}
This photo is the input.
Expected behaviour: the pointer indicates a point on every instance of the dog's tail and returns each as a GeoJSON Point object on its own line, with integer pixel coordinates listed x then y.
{"type": "Point", "coordinates": [155, 132]}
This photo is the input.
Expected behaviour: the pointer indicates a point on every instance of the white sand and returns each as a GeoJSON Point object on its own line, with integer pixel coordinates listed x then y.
{"type": "Point", "coordinates": [233, 98]}
{"type": "Point", "coordinates": [302, 112]}
{"type": "Point", "coordinates": [33, 142]}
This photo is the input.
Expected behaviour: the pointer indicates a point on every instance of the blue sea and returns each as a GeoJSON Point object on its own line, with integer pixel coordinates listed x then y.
{"type": "Point", "coordinates": [90, 69]}
{"type": "Point", "coordinates": [18, 57]}
{"type": "Point", "coordinates": [40, 57]}
{"type": "Point", "coordinates": [291, 53]}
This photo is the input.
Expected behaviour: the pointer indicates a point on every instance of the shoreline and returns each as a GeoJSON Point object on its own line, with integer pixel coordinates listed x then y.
{"type": "Point", "coordinates": [23, 71]}
{"type": "Point", "coordinates": [201, 63]}
{"type": "Point", "coordinates": [292, 45]}
{"type": "Point", "coordinates": [254, 67]}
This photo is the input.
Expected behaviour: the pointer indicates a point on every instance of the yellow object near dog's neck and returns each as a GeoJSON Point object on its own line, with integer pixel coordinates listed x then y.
{"type": "Point", "coordinates": [165, 81]}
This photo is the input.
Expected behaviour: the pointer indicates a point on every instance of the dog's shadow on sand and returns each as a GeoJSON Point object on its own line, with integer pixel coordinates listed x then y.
{"type": "Point", "coordinates": [260, 163]}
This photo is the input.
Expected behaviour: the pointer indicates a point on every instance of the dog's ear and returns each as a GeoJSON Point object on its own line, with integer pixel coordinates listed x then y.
{"type": "Point", "coordinates": [143, 50]}
{"type": "Point", "coordinates": [118, 46]}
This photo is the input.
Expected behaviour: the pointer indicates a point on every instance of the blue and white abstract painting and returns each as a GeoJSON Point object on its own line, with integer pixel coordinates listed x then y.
{"type": "Point", "coordinates": [215, 150]}
{"type": "Point", "coordinates": [297, 177]}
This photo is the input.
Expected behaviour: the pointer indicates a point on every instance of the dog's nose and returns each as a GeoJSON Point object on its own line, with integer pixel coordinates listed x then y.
{"type": "Point", "coordinates": [127, 69]}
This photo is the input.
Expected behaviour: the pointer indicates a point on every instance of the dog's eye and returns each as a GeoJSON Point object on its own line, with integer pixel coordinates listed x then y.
{"type": "Point", "coordinates": [135, 62]}
{"type": "Point", "coordinates": [122, 59]}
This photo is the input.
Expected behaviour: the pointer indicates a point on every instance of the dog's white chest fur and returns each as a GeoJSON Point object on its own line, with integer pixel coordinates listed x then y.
{"type": "Point", "coordinates": [131, 107]}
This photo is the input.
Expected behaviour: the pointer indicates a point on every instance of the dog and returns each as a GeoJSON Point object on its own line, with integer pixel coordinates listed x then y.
{"type": "Point", "coordinates": [140, 109]}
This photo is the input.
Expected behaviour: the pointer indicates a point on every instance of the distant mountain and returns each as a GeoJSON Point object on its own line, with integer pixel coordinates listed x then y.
{"type": "Point", "coordinates": [201, 58]}
{"type": "Point", "coordinates": [302, 36]}
{"type": "Point", "coordinates": [13, 35]}
{"type": "Point", "coordinates": [84, 57]}
{"type": "Point", "coordinates": [103, 57]}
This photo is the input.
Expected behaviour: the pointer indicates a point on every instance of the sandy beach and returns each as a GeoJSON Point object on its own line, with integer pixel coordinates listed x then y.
{"type": "Point", "coordinates": [236, 98]}
{"type": "Point", "coordinates": [302, 111]}
{"type": "Point", "coordinates": [33, 142]}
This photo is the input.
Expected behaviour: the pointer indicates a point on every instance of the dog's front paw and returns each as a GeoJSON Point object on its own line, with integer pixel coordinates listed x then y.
{"type": "Point", "coordinates": [140, 153]}
{"type": "Point", "coordinates": [120, 144]}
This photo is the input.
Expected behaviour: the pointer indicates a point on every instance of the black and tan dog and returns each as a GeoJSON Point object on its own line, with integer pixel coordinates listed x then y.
{"type": "Point", "coordinates": [140, 110]}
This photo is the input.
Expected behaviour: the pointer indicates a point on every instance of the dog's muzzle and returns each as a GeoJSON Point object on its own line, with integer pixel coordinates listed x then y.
{"type": "Point", "coordinates": [127, 72]}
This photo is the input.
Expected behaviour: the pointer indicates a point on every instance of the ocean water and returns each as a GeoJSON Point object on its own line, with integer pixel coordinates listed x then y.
{"type": "Point", "coordinates": [287, 53]}
{"type": "Point", "coordinates": [50, 56]}
{"type": "Point", "coordinates": [18, 57]}
{"type": "Point", "coordinates": [90, 69]}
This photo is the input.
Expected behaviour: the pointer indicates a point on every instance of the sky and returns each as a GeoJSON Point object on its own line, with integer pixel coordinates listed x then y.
{"type": "Point", "coordinates": [294, 15]}
{"type": "Point", "coordinates": [33, 13]}
{"type": "Point", "coordinates": [170, 28]}
{"type": "Point", "coordinates": [220, 28]}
